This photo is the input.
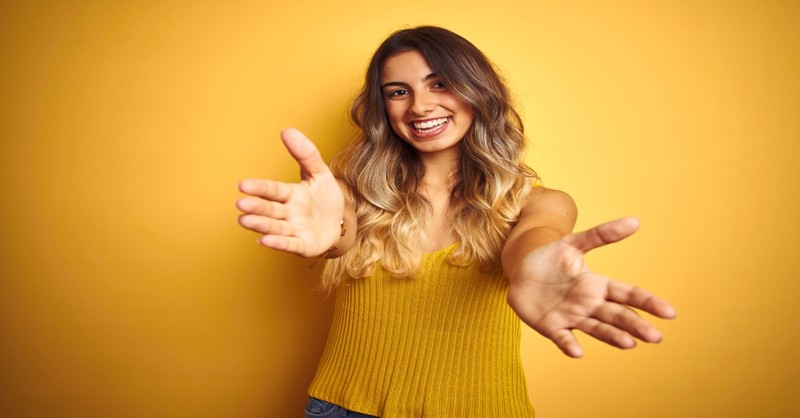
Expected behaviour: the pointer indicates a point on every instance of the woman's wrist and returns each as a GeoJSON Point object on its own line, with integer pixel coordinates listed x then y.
{"type": "Point", "coordinates": [333, 248]}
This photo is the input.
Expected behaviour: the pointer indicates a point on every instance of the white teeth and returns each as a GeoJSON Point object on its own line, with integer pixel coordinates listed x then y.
{"type": "Point", "coordinates": [420, 126]}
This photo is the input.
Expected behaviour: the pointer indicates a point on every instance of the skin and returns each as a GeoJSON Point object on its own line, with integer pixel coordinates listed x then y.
{"type": "Point", "coordinates": [550, 287]}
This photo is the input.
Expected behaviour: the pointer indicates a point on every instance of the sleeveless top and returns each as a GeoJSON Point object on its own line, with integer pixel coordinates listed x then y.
{"type": "Point", "coordinates": [444, 344]}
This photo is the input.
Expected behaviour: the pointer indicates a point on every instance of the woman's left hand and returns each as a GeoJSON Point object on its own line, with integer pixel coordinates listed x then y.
{"type": "Point", "coordinates": [554, 292]}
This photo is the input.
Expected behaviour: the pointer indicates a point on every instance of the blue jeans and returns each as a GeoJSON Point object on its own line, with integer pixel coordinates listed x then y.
{"type": "Point", "coordinates": [317, 408]}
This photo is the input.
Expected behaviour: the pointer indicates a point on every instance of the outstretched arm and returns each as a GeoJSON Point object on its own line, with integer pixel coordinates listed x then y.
{"type": "Point", "coordinates": [302, 218]}
{"type": "Point", "coordinates": [553, 291]}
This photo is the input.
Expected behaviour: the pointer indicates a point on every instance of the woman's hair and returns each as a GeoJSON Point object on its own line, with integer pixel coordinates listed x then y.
{"type": "Point", "coordinates": [385, 173]}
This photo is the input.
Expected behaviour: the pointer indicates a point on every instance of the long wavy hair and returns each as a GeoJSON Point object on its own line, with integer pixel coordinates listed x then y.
{"type": "Point", "coordinates": [385, 174]}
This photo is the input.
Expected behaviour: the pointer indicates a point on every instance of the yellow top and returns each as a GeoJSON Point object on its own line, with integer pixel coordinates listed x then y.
{"type": "Point", "coordinates": [442, 345]}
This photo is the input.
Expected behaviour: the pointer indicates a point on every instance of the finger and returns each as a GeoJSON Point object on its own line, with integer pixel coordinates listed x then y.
{"type": "Point", "coordinates": [567, 343]}
{"type": "Point", "coordinates": [268, 189]}
{"type": "Point", "coordinates": [258, 206]}
{"type": "Point", "coordinates": [284, 243]}
{"type": "Point", "coordinates": [265, 225]}
{"type": "Point", "coordinates": [304, 152]}
{"type": "Point", "coordinates": [640, 299]}
{"type": "Point", "coordinates": [627, 320]}
{"type": "Point", "coordinates": [603, 234]}
{"type": "Point", "coordinates": [606, 333]}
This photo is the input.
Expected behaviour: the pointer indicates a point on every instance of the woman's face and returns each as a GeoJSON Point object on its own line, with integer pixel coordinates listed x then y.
{"type": "Point", "coordinates": [421, 109]}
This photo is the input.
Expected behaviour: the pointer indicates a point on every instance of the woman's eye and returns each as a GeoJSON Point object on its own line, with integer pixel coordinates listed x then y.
{"type": "Point", "coordinates": [438, 85]}
{"type": "Point", "coordinates": [397, 93]}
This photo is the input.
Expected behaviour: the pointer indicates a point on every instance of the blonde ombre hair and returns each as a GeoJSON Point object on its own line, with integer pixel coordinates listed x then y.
{"type": "Point", "coordinates": [385, 173]}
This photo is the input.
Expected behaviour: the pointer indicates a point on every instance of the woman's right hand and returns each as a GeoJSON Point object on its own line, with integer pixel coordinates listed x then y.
{"type": "Point", "coordinates": [302, 218]}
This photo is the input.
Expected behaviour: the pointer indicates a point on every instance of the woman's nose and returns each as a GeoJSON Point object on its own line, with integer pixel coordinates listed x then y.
{"type": "Point", "coordinates": [423, 103]}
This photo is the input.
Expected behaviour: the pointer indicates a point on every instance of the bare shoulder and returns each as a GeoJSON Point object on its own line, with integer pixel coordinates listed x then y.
{"type": "Point", "coordinates": [347, 191]}
{"type": "Point", "coordinates": [541, 198]}
{"type": "Point", "coordinates": [546, 215]}
{"type": "Point", "coordinates": [552, 208]}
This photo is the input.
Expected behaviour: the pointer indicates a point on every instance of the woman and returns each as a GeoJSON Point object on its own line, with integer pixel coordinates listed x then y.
{"type": "Point", "coordinates": [439, 241]}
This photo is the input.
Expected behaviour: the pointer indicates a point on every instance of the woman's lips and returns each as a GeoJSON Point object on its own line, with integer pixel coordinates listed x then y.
{"type": "Point", "coordinates": [429, 128]}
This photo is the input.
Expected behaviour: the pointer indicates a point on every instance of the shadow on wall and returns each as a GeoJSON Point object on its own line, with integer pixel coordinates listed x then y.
{"type": "Point", "coordinates": [295, 318]}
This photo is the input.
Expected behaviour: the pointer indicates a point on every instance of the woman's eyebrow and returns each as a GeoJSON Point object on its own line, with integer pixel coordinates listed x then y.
{"type": "Point", "coordinates": [394, 83]}
{"type": "Point", "coordinates": [402, 84]}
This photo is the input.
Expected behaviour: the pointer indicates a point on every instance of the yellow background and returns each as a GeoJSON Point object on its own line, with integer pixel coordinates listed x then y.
{"type": "Point", "coordinates": [128, 290]}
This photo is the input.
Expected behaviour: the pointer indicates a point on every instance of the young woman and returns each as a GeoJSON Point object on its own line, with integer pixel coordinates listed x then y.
{"type": "Point", "coordinates": [439, 241]}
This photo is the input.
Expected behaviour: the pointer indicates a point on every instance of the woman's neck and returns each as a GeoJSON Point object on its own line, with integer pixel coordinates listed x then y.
{"type": "Point", "coordinates": [436, 187]}
{"type": "Point", "coordinates": [439, 170]}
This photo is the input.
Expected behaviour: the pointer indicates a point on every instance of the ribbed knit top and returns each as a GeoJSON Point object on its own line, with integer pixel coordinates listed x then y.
{"type": "Point", "coordinates": [442, 345]}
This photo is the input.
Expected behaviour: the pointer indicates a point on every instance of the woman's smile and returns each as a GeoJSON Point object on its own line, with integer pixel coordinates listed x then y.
{"type": "Point", "coordinates": [431, 127]}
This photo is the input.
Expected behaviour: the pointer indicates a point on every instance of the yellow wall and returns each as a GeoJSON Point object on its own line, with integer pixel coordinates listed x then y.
{"type": "Point", "coordinates": [128, 289]}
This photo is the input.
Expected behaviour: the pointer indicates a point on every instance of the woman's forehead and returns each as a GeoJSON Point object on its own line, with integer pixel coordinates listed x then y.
{"type": "Point", "coordinates": [407, 66]}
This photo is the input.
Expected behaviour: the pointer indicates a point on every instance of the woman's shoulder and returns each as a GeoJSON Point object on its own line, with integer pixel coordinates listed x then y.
{"type": "Point", "coordinates": [538, 195]}
{"type": "Point", "coordinates": [544, 203]}
{"type": "Point", "coordinates": [347, 189]}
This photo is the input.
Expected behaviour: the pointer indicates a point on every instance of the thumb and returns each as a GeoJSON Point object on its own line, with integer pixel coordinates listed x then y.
{"type": "Point", "coordinates": [603, 234]}
{"type": "Point", "coordinates": [304, 152]}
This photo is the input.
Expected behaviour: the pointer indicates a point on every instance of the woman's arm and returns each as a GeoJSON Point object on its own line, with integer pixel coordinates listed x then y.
{"type": "Point", "coordinates": [546, 216]}
{"type": "Point", "coordinates": [553, 291]}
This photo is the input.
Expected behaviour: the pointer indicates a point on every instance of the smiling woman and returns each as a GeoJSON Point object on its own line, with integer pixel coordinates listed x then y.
{"type": "Point", "coordinates": [127, 290]}
{"type": "Point", "coordinates": [442, 242]}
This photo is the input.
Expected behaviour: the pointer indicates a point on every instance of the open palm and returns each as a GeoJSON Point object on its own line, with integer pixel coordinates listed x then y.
{"type": "Point", "coordinates": [301, 218]}
{"type": "Point", "coordinates": [554, 292]}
